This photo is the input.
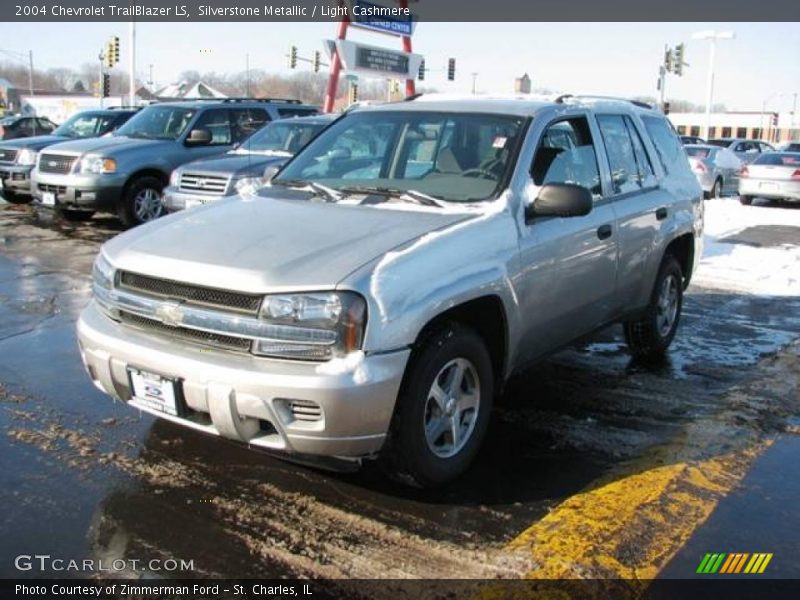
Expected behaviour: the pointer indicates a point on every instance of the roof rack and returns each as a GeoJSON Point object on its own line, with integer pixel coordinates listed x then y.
{"type": "Point", "coordinates": [123, 107]}
{"type": "Point", "coordinates": [233, 100]}
{"type": "Point", "coordinates": [565, 97]}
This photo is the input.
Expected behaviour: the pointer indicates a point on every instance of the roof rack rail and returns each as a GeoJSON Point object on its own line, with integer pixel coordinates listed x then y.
{"type": "Point", "coordinates": [123, 107]}
{"type": "Point", "coordinates": [234, 100]}
{"type": "Point", "coordinates": [413, 97]}
{"type": "Point", "coordinates": [564, 97]}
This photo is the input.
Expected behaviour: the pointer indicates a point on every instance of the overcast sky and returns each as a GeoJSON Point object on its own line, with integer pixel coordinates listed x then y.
{"type": "Point", "coordinates": [601, 58]}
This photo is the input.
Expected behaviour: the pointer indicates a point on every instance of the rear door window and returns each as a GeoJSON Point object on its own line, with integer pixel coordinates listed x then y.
{"type": "Point", "coordinates": [246, 121]}
{"type": "Point", "coordinates": [670, 151]}
{"type": "Point", "coordinates": [626, 172]}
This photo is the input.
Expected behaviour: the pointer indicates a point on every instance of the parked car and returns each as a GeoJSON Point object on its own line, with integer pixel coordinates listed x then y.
{"type": "Point", "coordinates": [126, 172]}
{"type": "Point", "coordinates": [374, 298]}
{"type": "Point", "coordinates": [774, 175]}
{"type": "Point", "coordinates": [20, 126]}
{"type": "Point", "coordinates": [746, 150]}
{"type": "Point", "coordinates": [18, 157]}
{"type": "Point", "coordinates": [692, 139]}
{"type": "Point", "coordinates": [717, 169]}
{"type": "Point", "coordinates": [789, 147]}
{"type": "Point", "coordinates": [242, 169]}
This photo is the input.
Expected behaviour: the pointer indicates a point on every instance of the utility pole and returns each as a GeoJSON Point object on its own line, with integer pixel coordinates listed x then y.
{"type": "Point", "coordinates": [247, 71]}
{"type": "Point", "coordinates": [102, 58]}
{"type": "Point", "coordinates": [30, 71]}
{"type": "Point", "coordinates": [474, 83]}
{"type": "Point", "coordinates": [150, 78]}
{"type": "Point", "coordinates": [132, 65]}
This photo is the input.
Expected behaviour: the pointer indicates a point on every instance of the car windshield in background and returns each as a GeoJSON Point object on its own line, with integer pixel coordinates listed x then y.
{"type": "Point", "coordinates": [447, 156]}
{"type": "Point", "coordinates": [789, 159]}
{"type": "Point", "coordinates": [720, 143]}
{"type": "Point", "coordinates": [158, 123]}
{"type": "Point", "coordinates": [698, 152]}
{"type": "Point", "coordinates": [282, 137]}
{"type": "Point", "coordinates": [85, 125]}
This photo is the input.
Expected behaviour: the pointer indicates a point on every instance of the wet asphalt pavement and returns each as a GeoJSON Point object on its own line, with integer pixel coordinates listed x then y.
{"type": "Point", "coordinates": [81, 476]}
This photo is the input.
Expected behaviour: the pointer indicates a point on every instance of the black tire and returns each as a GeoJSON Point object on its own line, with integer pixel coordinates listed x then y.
{"type": "Point", "coordinates": [126, 210]}
{"type": "Point", "coordinates": [75, 216]}
{"type": "Point", "coordinates": [716, 189]}
{"type": "Point", "coordinates": [408, 452]}
{"type": "Point", "coordinates": [14, 198]}
{"type": "Point", "coordinates": [647, 337]}
{"type": "Point", "coordinates": [746, 200]}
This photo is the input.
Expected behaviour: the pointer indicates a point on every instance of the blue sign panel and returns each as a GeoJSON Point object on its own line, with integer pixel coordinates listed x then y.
{"type": "Point", "coordinates": [373, 16]}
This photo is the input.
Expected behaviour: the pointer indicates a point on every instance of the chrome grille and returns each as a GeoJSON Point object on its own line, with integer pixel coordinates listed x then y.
{"type": "Point", "coordinates": [192, 294]}
{"type": "Point", "coordinates": [56, 189]}
{"type": "Point", "coordinates": [8, 155]}
{"type": "Point", "coordinates": [225, 342]}
{"type": "Point", "coordinates": [198, 183]}
{"type": "Point", "coordinates": [56, 163]}
{"type": "Point", "coordinates": [305, 410]}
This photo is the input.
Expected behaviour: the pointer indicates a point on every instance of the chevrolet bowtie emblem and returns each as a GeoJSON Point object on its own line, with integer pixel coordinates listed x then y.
{"type": "Point", "coordinates": [170, 313]}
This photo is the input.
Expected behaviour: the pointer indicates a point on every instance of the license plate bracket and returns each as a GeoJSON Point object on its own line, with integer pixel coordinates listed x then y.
{"type": "Point", "coordinates": [157, 392]}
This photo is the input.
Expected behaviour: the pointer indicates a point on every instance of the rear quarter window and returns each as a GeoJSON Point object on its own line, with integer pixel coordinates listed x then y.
{"type": "Point", "coordinates": [670, 150]}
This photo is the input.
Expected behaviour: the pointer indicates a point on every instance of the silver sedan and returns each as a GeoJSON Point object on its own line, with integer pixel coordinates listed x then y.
{"type": "Point", "coordinates": [716, 169]}
{"type": "Point", "coordinates": [774, 175]}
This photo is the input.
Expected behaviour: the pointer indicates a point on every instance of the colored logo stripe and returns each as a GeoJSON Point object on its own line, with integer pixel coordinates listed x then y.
{"type": "Point", "coordinates": [722, 562]}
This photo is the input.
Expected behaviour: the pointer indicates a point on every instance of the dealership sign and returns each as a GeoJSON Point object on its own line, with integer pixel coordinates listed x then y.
{"type": "Point", "coordinates": [376, 17]}
{"type": "Point", "coordinates": [374, 60]}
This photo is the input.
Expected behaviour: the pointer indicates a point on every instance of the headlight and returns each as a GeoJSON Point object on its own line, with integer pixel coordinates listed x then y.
{"type": "Point", "coordinates": [97, 165]}
{"type": "Point", "coordinates": [26, 156]}
{"type": "Point", "coordinates": [174, 178]}
{"type": "Point", "coordinates": [248, 186]}
{"type": "Point", "coordinates": [316, 326]}
{"type": "Point", "coordinates": [102, 279]}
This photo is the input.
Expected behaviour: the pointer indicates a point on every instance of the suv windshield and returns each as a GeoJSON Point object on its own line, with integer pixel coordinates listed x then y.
{"type": "Point", "coordinates": [282, 137]}
{"type": "Point", "coordinates": [158, 123]}
{"type": "Point", "coordinates": [460, 157]}
{"type": "Point", "coordinates": [85, 125]}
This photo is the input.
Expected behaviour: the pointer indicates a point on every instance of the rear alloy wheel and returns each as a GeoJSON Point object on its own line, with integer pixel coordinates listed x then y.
{"type": "Point", "coordinates": [443, 409]}
{"type": "Point", "coordinates": [746, 200]}
{"type": "Point", "coordinates": [141, 201]}
{"type": "Point", "coordinates": [650, 336]}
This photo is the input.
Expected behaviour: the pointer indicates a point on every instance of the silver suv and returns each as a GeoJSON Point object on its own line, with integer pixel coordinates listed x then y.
{"type": "Point", "coordinates": [126, 172]}
{"type": "Point", "coordinates": [373, 300]}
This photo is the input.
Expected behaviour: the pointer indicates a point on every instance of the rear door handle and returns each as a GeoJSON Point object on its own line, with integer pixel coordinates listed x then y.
{"type": "Point", "coordinates": [604, 232]}
{"type": "Point", "coordinates": [661, 213]}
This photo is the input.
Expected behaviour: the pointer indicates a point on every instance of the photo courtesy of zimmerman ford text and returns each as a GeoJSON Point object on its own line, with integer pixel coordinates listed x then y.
{"type": "Point", "coordinates": [381, 299]}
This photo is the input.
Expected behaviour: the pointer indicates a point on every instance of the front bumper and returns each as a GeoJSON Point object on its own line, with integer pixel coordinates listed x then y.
{"type": "Point", "coordinates": [16, 178]}
{"type": "Point", "coordinates": [762, 188]}
{"type": "Point", "coordinates": [235, 395]}
{"type": "Point", "coordinates": [89, 192]}
{"type": "Point", "coordinates": [175, 200]}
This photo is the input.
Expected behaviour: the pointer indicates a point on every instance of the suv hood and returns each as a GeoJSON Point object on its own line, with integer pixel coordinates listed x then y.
{"type": "Point", "coordinates": [111, 145]}
{"type": "Point", "coordinates": [34, 143]}
{"type": "Point", "coordinates": [237, 165]}
{"type": "Point", "coordinates": [267, 244]}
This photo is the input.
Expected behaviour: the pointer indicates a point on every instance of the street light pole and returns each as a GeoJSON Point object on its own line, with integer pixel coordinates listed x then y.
{"type": "Point", "coordinates": [474, 82]}
{"type": "Point", "coordinates": [713, 36]}
{"type": "Point", "coordinates": [132, 65]}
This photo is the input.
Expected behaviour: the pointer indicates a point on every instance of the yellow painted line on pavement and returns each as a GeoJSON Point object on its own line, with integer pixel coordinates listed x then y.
{"type": "Point", "coordinates": [630, 526]}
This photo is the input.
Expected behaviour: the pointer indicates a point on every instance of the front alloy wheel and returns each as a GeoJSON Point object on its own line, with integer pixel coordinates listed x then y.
{"type": "Point", "coordinates": [452, 408]}
{"type": "Point", "coordinates": [147, 205]}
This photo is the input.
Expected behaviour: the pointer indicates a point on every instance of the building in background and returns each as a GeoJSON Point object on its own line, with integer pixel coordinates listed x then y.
{"type": "Point", "coordinates": [522, 85]}
{"type": "Point", "coordinates": [185, 89]}
{"type": "Point", "coordinates": [767, 126]}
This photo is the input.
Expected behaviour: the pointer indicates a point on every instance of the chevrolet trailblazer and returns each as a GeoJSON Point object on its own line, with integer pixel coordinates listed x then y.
{"type": "Point", "coordinates": [374, 298]}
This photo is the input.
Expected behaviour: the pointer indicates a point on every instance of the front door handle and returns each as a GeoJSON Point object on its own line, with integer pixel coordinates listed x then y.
{"type": "Point", "coordinates": [661, 213]}
{"type": "Point", "coordinates": [604, 232]}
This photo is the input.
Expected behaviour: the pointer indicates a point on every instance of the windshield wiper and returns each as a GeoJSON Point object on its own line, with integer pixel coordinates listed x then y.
{"type": "Point", "coordinates": [414, 196]}
{"type": "Point", "coordinates": [329, 194]}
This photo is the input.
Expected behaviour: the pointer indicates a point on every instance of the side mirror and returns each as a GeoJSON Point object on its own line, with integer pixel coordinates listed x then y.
{"type": "Point", "coordinates": [198, 137]}
{"type": "Point", "coordinates": [271, 171]}
{"type": "Point", "coordinates": [560, 200]}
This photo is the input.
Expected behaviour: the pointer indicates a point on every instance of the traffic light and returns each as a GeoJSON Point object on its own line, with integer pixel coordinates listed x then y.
{"type": "Point", "coordinates": [666, 108]}
{"type": "Point", "coordinates": [115, 49]}
{"type": "Point", "coordinates": [108, 55]}
{"type": "Point", "coordinates": [106, 85]}
{"type": "Point", "coordinates": [422, 70]}
{"type": "Point", "coordinates": [774, 120]}
{"type": "Point", "coordinates": [293, 57]}
{"type": "Point", "coordinates": [353, 93]}
{"type": "Point", "coordinates": [451, 69]}
{"type": "Point", "coordinates": [678, 70]}
{"type": "Point", "coordinates": [317, 60]}
{"type": "Point", "coordinates": [668, 63]}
